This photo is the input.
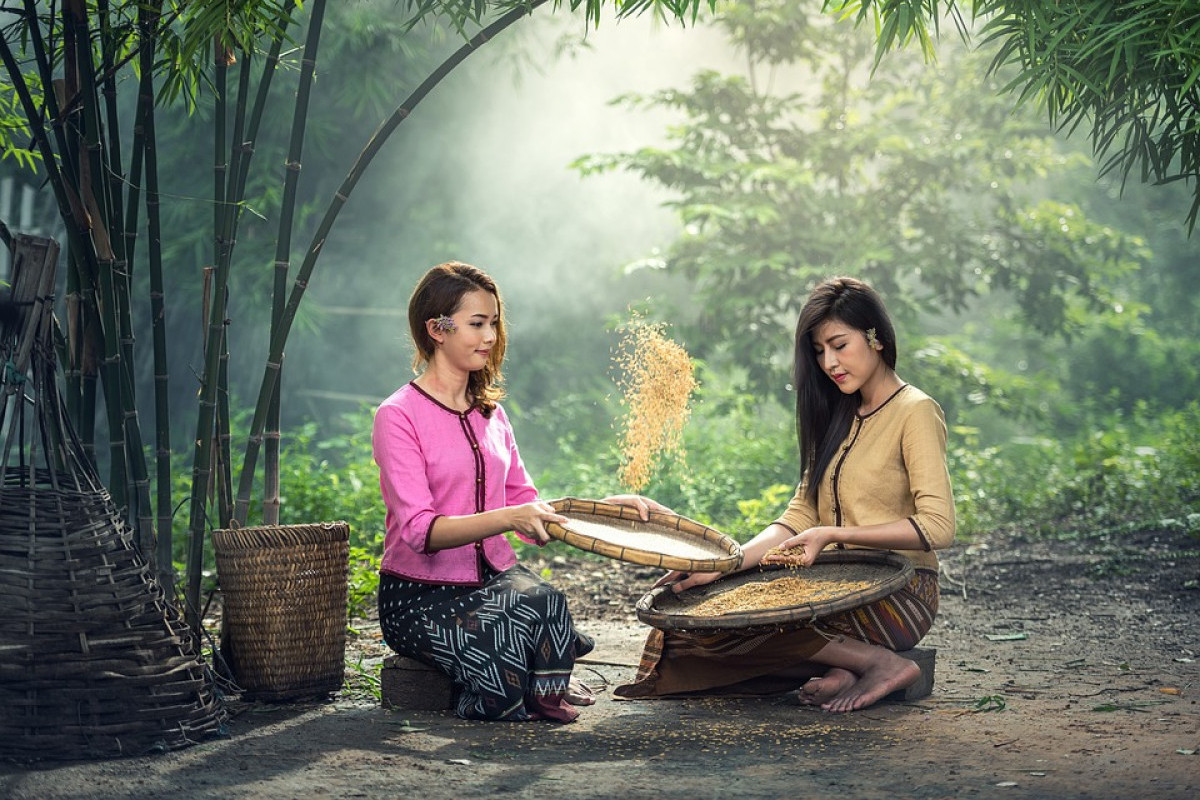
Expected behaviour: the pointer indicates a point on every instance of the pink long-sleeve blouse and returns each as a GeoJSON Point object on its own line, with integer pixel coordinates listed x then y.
{"type": "Point", "coordinates": [435, 461]}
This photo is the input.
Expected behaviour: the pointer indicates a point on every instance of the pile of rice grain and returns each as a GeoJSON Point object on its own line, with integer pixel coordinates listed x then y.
{"type": "Point", "coordinates": [784, 592]}
{"type": "Point", "coordinates": [657, 380]}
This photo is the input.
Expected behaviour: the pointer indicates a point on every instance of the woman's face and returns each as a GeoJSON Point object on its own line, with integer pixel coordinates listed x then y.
{"type": "Point", "coordinates": [476, 326]}
{"type": "Point", "coordinates": [845, 356]}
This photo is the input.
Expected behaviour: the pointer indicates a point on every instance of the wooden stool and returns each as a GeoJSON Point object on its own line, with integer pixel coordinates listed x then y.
{"type": "Point", "coordinates": [408, 684]}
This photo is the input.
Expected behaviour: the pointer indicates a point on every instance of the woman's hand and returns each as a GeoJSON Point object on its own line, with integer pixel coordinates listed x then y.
{"type": "Point", "coordinates": [807, 545]}
{"type": "Point", "coordinates": [644, 505]}
{"type": "Point", "coordinates": [680, 581]}
{"type": "Point", "coordinates": [530, 519]}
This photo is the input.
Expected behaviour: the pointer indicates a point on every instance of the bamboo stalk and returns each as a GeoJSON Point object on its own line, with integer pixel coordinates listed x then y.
{"type": "Point", "coordinates": [108, 158]}
{"type": "Point", "coordinates": [202, 465]}
{"type": "Point", "coordinates": [283, 242]}
{"type": "Point", "coordinates": [127, 466]}
{"type": "Point", "coordinates": [270, 380]}
{"type": "Point", "coordinates": [162, 407]}
{"type": "Point", "coordinates": [79, 323]}
{"type": "Point", "coordinates": [72, 353]}
{"type": "Point", "coordinates": [70, 349]}
{"type": "Point", "coordinates": [207, 408]}
{"type": "Point", "coordinates": [144, 155]}
{"type": "Point", "coordinates": [243, 153]}
{"type": "Point", "coordinates": [233, 194]}
{"type": "Point", "coordinates": [114, 212]}
{"type": "Point", "coordinates": [80, 82]}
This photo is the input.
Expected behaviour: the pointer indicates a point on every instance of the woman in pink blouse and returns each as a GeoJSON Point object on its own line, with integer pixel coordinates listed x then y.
{"type": "Point", "coordinates": [451, 592]}
{"type": "Point", "coordinates": [873, 475]}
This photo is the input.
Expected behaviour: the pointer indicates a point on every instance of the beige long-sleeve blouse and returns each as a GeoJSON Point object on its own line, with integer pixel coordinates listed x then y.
{"type": "Point", "coordinates": [892, 466]}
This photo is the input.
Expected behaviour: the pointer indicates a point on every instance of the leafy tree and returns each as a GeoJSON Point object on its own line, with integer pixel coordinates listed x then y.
{"type": "Point", "coordinates": [1126, 69]}
{"type": "Point", "coordinates": [915, 180]}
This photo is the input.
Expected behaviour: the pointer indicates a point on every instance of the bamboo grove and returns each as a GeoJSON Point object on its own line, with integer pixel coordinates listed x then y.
{"type": "Point", "coordinates": [68, 68]}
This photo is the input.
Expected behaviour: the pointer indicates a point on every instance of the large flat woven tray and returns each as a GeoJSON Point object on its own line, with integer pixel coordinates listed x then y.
{"type": "Point", "coordinates": [666, 540]}
{"type": "Point", "coordinates": [835, 575]}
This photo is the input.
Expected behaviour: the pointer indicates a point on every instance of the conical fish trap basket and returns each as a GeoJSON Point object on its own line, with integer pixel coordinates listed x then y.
{"type": "Point", "coordinates": [284, 595]}
{"type": "Point", "coordinates": [94, 659]}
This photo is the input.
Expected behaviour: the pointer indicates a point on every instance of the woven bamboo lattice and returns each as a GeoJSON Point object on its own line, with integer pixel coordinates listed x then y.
{"type": "Point", "coordinates": [666, 540]}
{"type": "Point", "coordinates": [284, 595]}
{"type": "Point", "coordinates": [94, 660]}
{"type": "Point", "coordinates": [845, 580]}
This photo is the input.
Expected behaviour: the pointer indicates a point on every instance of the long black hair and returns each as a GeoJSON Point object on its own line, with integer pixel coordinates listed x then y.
{"type": "Point", "coordinates": [823, 412]}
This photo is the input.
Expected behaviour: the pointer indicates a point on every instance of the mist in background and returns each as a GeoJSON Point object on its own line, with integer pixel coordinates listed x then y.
{"type": "Point", "coordinates": [480, 173]}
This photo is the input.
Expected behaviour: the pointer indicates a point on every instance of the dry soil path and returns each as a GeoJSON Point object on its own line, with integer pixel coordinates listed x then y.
{"type": "Point", "coordinates": [1054, 680]}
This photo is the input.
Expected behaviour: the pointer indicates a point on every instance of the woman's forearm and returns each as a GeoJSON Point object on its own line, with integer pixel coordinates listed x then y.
{"type": "Point", "coordinates": [896, 535]}
{"type": "Point", "coordinates": [456, 531]}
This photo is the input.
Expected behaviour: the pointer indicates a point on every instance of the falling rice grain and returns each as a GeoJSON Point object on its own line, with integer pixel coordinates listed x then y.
{"type": "Point", "coordinates": [657, 381]}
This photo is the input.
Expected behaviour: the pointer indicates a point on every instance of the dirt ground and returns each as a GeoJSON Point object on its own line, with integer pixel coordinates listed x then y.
{"type": "Point", "coordinates": [1065, 669]}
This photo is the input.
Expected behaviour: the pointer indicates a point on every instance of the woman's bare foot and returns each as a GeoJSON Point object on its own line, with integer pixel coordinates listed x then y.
{"type": "Point", "coordinates": [821, 689]}
{"type": "Point", "coordinates": [887, 673]}
{"type": "Point", "coordinates": [579, 693]}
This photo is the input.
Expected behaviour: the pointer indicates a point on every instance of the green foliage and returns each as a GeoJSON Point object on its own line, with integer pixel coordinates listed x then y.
{"type": "Point", "coordinates": [336, 478]}
{"type": "Point", "coordinates": [1140, 470]}
{"type": "Point", "coordinates": [362, 680]}
{"type": "Point", "coordinates": [732, 453]}
{"type": "Point", "coordinates": [919, 181]}
{"type": "Point", "coordinates": [333, 478]}
{"type": "Point", "coordinates": [964, 384]}
{"type": "Point", "coordinates": [14, 129]}
{"type": "Point", "coordinates": [465, 15]}
{"type": "Point", "coordinates": [1125, 68]}
{"type": "Point", "coordinates": [759, 512]}
{"type": "Point", "coordinates": [1000, 486]}
{"type": "Point", "coordinates": [991, 702]}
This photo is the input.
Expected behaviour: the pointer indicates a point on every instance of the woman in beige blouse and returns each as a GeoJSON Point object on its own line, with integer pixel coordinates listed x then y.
{"type": "Point", "coordinates": [873, 475]}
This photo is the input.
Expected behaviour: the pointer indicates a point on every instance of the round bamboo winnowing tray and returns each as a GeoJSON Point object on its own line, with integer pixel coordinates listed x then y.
{"type": "Point", "coordinates": [845, 580]}
{"type": "Point", "coordinates": [666, 540]}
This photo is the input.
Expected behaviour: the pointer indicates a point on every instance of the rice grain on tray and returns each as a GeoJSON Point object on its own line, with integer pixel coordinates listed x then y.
{"type": "Point", "coordinates": [657, 381]}
{"type": "Point", "coordinates": [783, 592]}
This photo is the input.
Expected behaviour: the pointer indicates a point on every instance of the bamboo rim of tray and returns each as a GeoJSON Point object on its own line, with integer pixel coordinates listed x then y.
{"type": "Point", "coordinates": [663, 609]}
{"type": "Point", "coordinates": [627, 541]}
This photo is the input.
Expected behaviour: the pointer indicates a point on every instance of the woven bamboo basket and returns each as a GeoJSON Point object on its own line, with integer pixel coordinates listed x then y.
{"type": "Point", "coordinates": [666, 540]}
{"type": "Point", "coordinates": [883, 572]}
{"type": "Point", "coordinates": [284, 590]}
{"type": "Point", "coordinates": [95, 659]}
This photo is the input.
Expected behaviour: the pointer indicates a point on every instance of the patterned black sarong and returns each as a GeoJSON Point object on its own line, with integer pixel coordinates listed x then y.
{"type": "Point", "coordinates": [509, 645]}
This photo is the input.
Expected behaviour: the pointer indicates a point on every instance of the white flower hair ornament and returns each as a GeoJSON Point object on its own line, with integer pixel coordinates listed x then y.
{"type": "Point", "coordinates": [444, 324]}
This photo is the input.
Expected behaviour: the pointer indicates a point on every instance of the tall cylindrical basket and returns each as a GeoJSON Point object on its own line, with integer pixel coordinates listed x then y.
{"type": "Point", "coordinates": [284, 589]}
